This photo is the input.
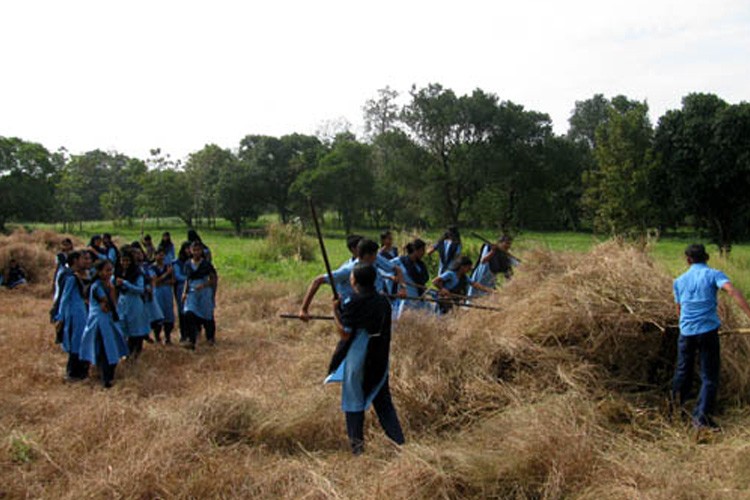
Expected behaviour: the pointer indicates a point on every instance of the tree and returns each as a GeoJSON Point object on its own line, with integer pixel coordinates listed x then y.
{"type": "Point", "coordinates": [586, 117]}
{"type": "Point", "coordinates": [342, 180]}
{"type": "Point", "coordinates": [704, 153]}
{"type": "Point", "coordinates": [617, 189]}
{"type": "Point", "coordinates": [381, 113]}
{"type": "Point", "coordinates": [26, 181]}
{"type": "Point", "coordinates": [276, 164]}
{"type": "Point", "coordinates": [202, 173]}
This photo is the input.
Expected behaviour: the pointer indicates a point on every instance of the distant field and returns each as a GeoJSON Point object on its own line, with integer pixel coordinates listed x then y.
{"type": "Point", "coordinates": [238, 259]}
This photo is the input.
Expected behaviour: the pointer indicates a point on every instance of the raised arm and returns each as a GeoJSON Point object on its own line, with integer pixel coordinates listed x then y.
{"type": "Point", "coordinates": [738, 298]}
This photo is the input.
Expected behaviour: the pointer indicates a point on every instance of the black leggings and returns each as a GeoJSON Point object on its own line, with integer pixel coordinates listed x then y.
{"type": "Point", "coordinates": [108, 371]}
{"type": "Point", "coordinates": [77, 368]}
{"type": "Point", "coordinates": [383, 404]}
{"type": "Point", "coordinates": [194, 324]}
{"type": "Point", "coordinates": [135, 346]}
{"type": "Point", "coordinates": [157, 326]}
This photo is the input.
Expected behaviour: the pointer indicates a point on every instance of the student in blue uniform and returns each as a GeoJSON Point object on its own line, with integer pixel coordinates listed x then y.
{"type": "Point", "coordinates": [102, 343]}
{"type": "Point", "coordinates": [179, 272]}
{"type": "Point", "coordinates": [15, 276]}
{"type": "Point", "coordinates": [695, 295]}
{"type": "Point", "coordinates": [415, 273]}
{"type": "Point", "coordinates": [130, 306]}
{"type": "Point", "coordinates": [192, 236]}
{"type": "Point", "coordinates": [199, 296]}
{"type": "Point", "coordinates": [154, 315]}
{"type": "Point", "coordinates": [61, 263]}
{"type": "Point", "coordinates": [367, 252]}
{"type": "Point", "coordinates": [96, 246]}
{"type": "Point", "coordinates": [168, 247]}
{"type": "Point", "coordinates": [387, 249]}
{"type": "Point", "coordinates": [452, 285]}
{"type": "Point", "coordinates": [73, 314]}
{"type": "Point", "coordinates": [113, 255]}
{"type": "Point", "coordinates": [448, 248]}
{"type": "Point", "coordinates": [493, 260]}
{"type": "Point", "coordinates": [361, 359]}
{"type": "Point", "coordinates": [162, 286]}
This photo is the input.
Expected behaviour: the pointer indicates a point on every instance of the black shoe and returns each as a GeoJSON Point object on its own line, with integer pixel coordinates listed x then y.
{"type": "Point", "coordinates": [107, 385]}
{"type": "Point", "coordinates": [706, 423]}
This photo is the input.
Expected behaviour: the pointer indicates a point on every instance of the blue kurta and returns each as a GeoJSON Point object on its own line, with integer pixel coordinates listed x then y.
{"type": "Point", "coordinates": [101, 323]}
{"type": "Point", "coordinates": [73, 314]}
{"type": "Point", "coordinates": [131, 309]}
{"type": "Point", "coordinates": [163, 296]}
{"type": "Point", "coordinates": [399, 306]}
{"type": "Point", "coordinates": [199, 302]}
{"type": "Point", "coordinates": [482, 274]}
{"type": "Point", "coordinates": [178, 270]}
{"type": "Point", "coordinates": [153, 311]}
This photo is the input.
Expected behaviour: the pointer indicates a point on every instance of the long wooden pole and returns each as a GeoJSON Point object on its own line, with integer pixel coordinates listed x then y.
{"type": "Point", "coordinates": [485, 240]}
{"type": "Point", "coordinates": [438, 301]}
{"type": "Point", "coordinates": [296, 316]}
{"type": "Point", "coordinates": [323, 250]}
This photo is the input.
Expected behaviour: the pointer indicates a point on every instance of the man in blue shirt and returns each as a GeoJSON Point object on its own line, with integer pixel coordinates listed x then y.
{"type": "Point", "coordinates": [695, 296]}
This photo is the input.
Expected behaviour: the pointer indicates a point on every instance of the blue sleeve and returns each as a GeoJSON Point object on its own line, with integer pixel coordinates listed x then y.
{"type": "Point", "coordinates": [458, 249]}
{"type": "Point", "coordinates": [384, 264]}
{"type": "Point", "coordinates": [721, 279]}
{"type": "Point", "coordinates": [134, 288]}
{"type": "Point", "coordinates": [98, 292]}
{"type": "Point", "coordinates": [68, 289]}
{"type": "Point", "coordinates": [112, 255]}
{"type": "Point", "coordinates": [341, 274]}
{"type": "Point", "coordinates": [676, 292]}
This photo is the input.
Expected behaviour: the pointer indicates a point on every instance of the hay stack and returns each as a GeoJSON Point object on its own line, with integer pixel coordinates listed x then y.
{"type": "Point", "coordinates": [34, 251]}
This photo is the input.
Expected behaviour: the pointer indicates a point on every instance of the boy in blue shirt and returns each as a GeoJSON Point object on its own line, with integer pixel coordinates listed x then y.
{"type": "Point", "coordinates": [695, 296]}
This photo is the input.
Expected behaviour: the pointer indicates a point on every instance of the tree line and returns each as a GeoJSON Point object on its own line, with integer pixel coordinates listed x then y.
{"type": "Point", "coordinates": [439, 159]}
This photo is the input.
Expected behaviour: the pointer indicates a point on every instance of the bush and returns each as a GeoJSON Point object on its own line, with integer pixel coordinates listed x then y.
{"type": "Point", "coordinates": [288, 241]}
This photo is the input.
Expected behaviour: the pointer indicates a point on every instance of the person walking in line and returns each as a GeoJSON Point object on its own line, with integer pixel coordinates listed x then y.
{"type": "Point", "coordinates": [695, 294]}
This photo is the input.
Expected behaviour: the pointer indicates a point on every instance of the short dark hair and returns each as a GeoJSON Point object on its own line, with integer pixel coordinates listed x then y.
{"type": "Point", "coordinates": [353, 240]}
{"type": "Point", "coordinates": [385, 235]}
{"type": "Point", "coordinates": [364, 275]}
{"type": "Point", "coordinates": [415, 245]}
{"type": "Point", "coordinates": [696, 253]}
{"type": "Point", "coordinates": [73, 256]}
{"type": "Point", "coordinates": [460, 262]}
{"type": "Point", "coordinates": [366, 247]}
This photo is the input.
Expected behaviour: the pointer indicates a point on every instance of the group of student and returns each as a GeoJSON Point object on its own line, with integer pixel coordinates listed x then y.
{"type": "Point", "coordinates": [374, 287]}
{"type": "Point", "coordinates": [108, 301]}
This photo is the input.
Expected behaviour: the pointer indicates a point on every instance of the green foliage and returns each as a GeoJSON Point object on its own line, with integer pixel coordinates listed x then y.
{"type": "Point", "coordinates": [21, 448]}
{"type": "Point", "coordinates": [288, 241]}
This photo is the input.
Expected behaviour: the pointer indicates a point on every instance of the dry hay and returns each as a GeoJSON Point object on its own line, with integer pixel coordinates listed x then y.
{"type": "Point", "coordinates": [554, 397]}
{"type": "Point", "coordinates": [35, 252]}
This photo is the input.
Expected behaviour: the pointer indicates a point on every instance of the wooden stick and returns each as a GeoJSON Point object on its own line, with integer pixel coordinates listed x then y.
{"type": "Point", "coordinates": [296, 316]}
{"type": "Point", "coordinates": [438, 301]}
{"type": "Point", "coordinates": [323, 251]}
{"type": "Point", "coordinates": [485, 240]}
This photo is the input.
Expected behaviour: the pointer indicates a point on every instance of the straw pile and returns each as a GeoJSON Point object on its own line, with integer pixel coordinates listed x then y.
{"type": "Point", "coordinates": [559, 395]}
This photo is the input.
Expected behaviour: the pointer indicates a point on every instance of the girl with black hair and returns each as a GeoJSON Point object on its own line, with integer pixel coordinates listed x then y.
{"type": "Point", "coordinates": [96, 246]}
{"type": "Point", "coordinates": [387, 249]}
{"type": "Point", "coordinates": [102, 343]}
{"type": "Point", "coordinates": [73, 315]}
{"type": "Point", "coordinates": [192, 236]}
{"type": "Point", "coordinates": [179, 271]}
{"type": "Point", "coordinates": [453, 284]}
{"type": "Point", "coordinates": [199, 295]}
{"type": "Point", "coordinates": [131, 287]}
{"type": "Point", "coordinates": [415, 273]}
{"type": "Point", "coordinates": [361, 359]}
{"type": "Point", "coordinates": [168, 247]}
{"type": "Point", "coordinates": [162, 286]}
{"type": "Point", "coordinates": [448, 248]}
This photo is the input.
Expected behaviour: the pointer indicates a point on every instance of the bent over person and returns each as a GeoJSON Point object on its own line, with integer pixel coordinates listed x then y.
{"type": "Point", "coordinates": [695, 294]}
{"type": "Point", "coordinates": [361, 359]}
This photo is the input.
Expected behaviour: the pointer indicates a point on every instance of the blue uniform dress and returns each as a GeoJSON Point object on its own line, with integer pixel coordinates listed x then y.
{"type": "Point", "coordinates": [417, 274]}
{"type": "Point", "coordinates": [361, 362]}
{"type": "Point", "coordinates": [456, 285]}
{"type": "Point", "coordinates": [178, 271]}
{"type": "Point", "coordinates": [482, 274]}
{"type": "Point", "coordinates": [101, 326]}
{"type": "Point", "coordinates": [169, 255]}
{"type": "Point", "coordinates": [199, 303]}
{"type": "Point", "coordinates": [163, 294]}
{"type": "Point", "coordinates": [73, 313]}
{"type": "Point", "coordinates": [695, 291]}
{"type": "Point", "coordinates": [447, 250]}
{"type": "Point", "coordinates": [154, 313]}
{"type": "Point", "coordinates": [131, 308]}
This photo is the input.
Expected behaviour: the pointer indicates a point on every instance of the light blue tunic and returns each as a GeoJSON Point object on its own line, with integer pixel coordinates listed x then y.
{"type": "Point", "coordinates": [163, 298]}
{"type": "Point", "coordinates": [178, 270]}
{"type": "Point", "coordinates": [130, 306]}
{"type": "Point", "coordinates": [695, 291]}
{"type": "Point", "coordinates": [482, 274]}
{"type": "Point", "coordinates": [199, 302]}
{"type": "Point", "coordinates": [151, 306]}
{"type": "Point", "coordinates": [112, 254]}
{"type": "Point", "coordinates": [399, 306]}
{"type": "Point", "coordinates": [341, 279]}
{"type": "Point", "coordinates": [101, 323]}
{"type": "Point", "coordinates": [351, 374]}
{"type": "Point", "coordinates": [73, 314]}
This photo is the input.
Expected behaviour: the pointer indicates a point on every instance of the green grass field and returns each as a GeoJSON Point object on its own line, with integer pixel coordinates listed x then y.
{"type": "Point", "coordinates": [240, 259]}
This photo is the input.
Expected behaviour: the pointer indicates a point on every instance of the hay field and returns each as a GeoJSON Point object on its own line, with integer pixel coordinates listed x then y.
{"type": "Point", "coordinates": [561, 395]}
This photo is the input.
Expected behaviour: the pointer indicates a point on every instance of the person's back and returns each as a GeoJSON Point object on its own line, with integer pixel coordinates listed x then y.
{"type": "Point", "coordinates": [695, 291]}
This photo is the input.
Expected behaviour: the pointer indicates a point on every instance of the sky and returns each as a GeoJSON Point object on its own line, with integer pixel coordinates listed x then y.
{"type": "Point", "coordinates": [177, 75]}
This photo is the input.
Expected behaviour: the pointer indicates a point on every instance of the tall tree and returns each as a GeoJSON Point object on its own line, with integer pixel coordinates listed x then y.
{"type": "Point", "coordinates": [26, 181]}
{"type": "Point", "coordinates": [381, 113]}
{"type": "Point", "coordinates": [617, 190]}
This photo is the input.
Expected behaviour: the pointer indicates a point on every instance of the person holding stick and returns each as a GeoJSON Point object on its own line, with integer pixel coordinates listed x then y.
{"type": "Point", "coordinates": [415, 275]}
{"type": "Point", "coordinates": [494, 259]}
{"type": "Point", "coordinates": [361, 360]}
{"type": "Point", "coordinates": [448, 248]}
{"type": "Point", "coordinates": [695, 295]}
{"type": "Point", "coordinates": [455, 282]}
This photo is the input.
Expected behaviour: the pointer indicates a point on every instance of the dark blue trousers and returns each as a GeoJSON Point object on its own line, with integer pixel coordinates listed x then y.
{"type": "Point", "coordinates": [383, 404]}
{"type": "Point", "coordinates": [706, 346]}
